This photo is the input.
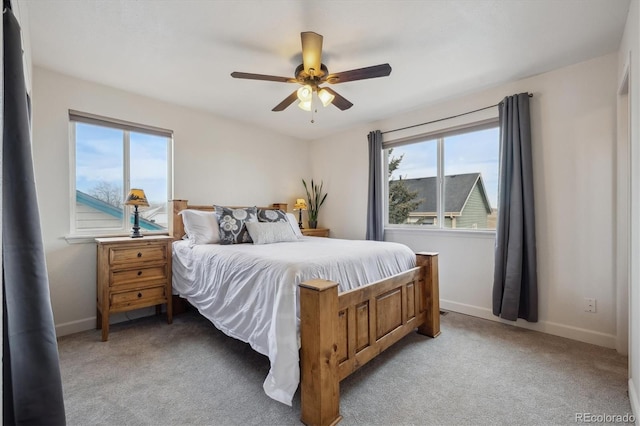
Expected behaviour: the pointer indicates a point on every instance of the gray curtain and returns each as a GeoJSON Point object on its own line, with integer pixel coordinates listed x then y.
{"type": "Point", "coordinates": [375, 221]}
{"type": "Point", "coordinates": [32, 388]}
{"type": "Point", "coordinates": [515, 284]}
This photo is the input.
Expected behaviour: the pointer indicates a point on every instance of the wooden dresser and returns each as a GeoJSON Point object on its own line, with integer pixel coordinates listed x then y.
{"type": "Point", "coordinates": [133, 273]}
{"type": "Point", "coordinates": [315, 232]}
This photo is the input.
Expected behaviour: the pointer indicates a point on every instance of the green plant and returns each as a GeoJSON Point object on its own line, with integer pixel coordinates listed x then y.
{"type": "Point", "coordinates": [315, 199]}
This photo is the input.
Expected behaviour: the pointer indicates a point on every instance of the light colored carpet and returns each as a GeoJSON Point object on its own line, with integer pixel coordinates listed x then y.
{"type": "Point", "coordinates": [477, 372]}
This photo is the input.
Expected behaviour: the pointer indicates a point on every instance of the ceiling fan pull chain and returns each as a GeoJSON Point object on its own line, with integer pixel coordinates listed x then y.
{"type": "Point", "coordinates": [313, 110]}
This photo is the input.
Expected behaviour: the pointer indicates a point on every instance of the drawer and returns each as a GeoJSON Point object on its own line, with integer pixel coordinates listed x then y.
{"type": "Point", "coordinates": [146, 296]}
{"type": "Point", "coordinates": [138, 275]}
{"type": "Point", "coordinates": [119, 255]}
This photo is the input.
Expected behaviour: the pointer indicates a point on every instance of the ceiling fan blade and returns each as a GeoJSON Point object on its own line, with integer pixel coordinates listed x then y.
{"type": "Point", "coordinates": [312, 53]}
{"type": "Point", "coordinates": [288, 101]}
{"type": "Point", "coordinates": [250, 76]}
{"type": "Point", "coordinates": [339, 101]}
{"type": "Point", "coordinates": [375, 71]}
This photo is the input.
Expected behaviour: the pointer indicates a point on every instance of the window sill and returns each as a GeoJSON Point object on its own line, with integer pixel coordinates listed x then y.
{"type": "Point", "coordinates": [90, 238]}
{"type": "Point", "coordinates": [454, 233]}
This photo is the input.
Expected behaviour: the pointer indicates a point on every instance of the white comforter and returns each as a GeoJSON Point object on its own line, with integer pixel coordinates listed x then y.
{"type": "Point", "coordinates": [250, 291]}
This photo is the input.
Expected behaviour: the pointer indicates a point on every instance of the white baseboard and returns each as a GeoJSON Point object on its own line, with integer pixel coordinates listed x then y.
{"type": "Point", "coordinates": [633, 398]}
{"type": "Point", "coordinates": [562, 330]}
{"type": "Point", "coordinates": [75, 326]}
{"type": "Point", "coordinates": [90, 323]}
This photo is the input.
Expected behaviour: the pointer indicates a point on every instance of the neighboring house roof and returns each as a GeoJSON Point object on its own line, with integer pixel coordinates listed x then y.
{"type": "Point", "coordinates": [106, 208]}
{"type": "Point", "coordinates": [458, 188]}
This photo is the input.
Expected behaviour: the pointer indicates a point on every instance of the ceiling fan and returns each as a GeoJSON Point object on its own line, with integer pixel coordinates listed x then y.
{"type": "Point", "coordinates": [312, 73]}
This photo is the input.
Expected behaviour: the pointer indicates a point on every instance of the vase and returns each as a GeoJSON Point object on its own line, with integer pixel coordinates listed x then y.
{"type": "Point", "coordinates": [313, 224]}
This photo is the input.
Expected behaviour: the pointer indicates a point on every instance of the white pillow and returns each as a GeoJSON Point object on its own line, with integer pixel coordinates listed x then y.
{"type": "Point", "coordinates": [294, 225]}
{"type": "Point", "coordinates": [270, 232]}
{"type": "Point", "coordinates": [201, 226]}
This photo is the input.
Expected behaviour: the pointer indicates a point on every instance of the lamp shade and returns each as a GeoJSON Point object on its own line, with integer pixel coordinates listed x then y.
{"type": "Point", "coordinates": [305, 93]}
{"type": "Point", "coordinates": [301, 204]}
{"type": "Point", "coordinates": [325, 97]}
{"type": "Point", "coordinates": [305, 105]}
{"type": "Point", "coordinates": [136, 197]}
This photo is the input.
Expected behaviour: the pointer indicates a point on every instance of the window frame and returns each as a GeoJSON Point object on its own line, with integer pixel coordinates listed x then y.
{"type": "Point", "coordinates": [438, 136]}
{"type": "Point", "coordinates": [126, 127]}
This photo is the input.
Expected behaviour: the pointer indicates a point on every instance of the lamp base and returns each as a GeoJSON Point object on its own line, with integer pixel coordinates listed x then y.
{"type": "Point", "coordinates": [135, 231]}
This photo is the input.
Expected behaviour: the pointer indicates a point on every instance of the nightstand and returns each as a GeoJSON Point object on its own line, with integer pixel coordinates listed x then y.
{"type": "Point", "coordinates": [315, 232]}
{"type": "Point", "coordinates": [133, 273]}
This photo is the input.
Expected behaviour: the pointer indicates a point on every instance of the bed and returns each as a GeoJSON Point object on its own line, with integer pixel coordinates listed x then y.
{"type": "Point", "coordinates": [314, 307]}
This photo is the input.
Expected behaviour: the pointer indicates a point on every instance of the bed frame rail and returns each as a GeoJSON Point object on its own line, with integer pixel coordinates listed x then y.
{"type": "Point", "coordinates": [341, 332]}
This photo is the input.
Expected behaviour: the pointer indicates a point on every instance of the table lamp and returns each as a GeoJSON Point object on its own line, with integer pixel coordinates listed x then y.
{"type": "Point", "coordinates": [300, 205]}
{"type": "Point", "coordinates": [136, 198]}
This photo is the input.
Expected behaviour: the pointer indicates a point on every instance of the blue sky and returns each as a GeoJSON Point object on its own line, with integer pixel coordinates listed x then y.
{"type": "Point", "coordinates": [99, 158]}
{"type": "Point", "coordinates": [465, 153]}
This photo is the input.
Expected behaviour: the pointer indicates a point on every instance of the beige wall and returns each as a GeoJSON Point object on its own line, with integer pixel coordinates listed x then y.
{"type": "Point", "coordinates": [574, 133]}
{"type": "Point", "coordinates": [574, 137]}
{"type": "Point", "coordinates": [215, 160]}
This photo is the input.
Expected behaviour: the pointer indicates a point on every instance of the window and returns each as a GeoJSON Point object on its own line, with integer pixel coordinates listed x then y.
{"type": "Point", "coordinates": [110, 157]}
{"type": "Point", "coordinates": [444, 180]}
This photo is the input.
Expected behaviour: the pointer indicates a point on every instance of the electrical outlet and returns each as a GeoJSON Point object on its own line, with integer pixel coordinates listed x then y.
{"type": "Point", "coordinates": [589, 304]}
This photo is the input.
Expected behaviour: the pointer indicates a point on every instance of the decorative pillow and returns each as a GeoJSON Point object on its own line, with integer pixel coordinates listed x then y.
{"type": "Point", "coordinates": [294, 225]}
{"type": "Point", "coordinates": [267, 215]}
{"type": "Point", "coordinates": [200, 226]}
{"type": "Point", "coordinates": [232, 224]}
{"type": "Point", "coordinates": [270, 232]}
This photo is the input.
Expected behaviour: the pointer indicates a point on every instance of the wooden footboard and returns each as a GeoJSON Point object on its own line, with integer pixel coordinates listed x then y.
{"type": "Point", "coordinates": [341, 332]}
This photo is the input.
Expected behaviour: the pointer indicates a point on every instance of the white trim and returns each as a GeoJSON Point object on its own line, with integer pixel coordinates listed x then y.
{"type": "Point", "coordinates": [562, 330]}
{"type": "Point", "coordinates": [82, 235]}
{"type": "Point", "coordinates": [72, 179]}
{"type": "Point", "coordinates": [622, 255]}
{"type": "Point", "coordinates": [440, 184]}
{"type": "Point", "coordinates": [127, 211]}
{"type": "Point", "coordinates": [489, 234]}
{"type": "Point", "coordinates": [623, 86]}
{"type": "Point", "coordinates": [116, 123]}
{"type": "Point", "coordinates": [75, 326]}
{"type": "Point", "coordinates": [86, 324]}
{"type": "Point", "coordinates": [468, 127]}
{"type": "Point", "coordinates": [91, 238]}
{"type": "Point", "coordinates": [633, 399]}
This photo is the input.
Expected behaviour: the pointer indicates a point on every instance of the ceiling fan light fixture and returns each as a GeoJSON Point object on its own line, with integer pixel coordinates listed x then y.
{"type": "Point", "coordinates": [305, 105]}
{"type": "Point", "coordinates": [325, 97]}
{"type": "Point", "coordinates": [305, 93]}
{"type": "Point", "coordinates": [311, 73]}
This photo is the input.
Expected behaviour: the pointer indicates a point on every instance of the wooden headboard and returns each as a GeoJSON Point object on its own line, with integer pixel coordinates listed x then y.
{"type": "Point", "coordinates": [176, 227]}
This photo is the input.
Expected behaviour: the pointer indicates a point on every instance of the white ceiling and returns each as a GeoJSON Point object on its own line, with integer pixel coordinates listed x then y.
{"type": "Point", "coordinates": [183, 51]}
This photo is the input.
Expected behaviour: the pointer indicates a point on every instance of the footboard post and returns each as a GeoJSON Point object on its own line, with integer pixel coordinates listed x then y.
{"type": "Point", "coordinates": [319, 378]}
{"type": "Point", "coordinates": [431, 294]}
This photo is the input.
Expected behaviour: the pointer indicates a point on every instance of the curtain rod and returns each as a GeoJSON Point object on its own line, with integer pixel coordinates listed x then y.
{"type": "Point", "coordinates": [447, 118]}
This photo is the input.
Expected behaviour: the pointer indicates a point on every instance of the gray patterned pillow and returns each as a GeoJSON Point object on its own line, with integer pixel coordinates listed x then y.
{"type": "Point", "coordinates": [267, 215]}
{"type": "Point", "coordinates": [232, 224]}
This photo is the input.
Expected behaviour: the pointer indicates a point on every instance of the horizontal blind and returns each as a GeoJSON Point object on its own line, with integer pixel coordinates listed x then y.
{"type": "Point", "coordinates": [84, 117]}
{"type": "Point", "coordinates": [451, 131]}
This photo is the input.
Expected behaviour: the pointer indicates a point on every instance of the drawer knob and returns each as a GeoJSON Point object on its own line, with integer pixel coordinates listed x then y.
{"type": "Point", "coordinates": [139, 295]}
{"type": "Point", "coordinates": [139, 254]}
{"type": "Point", "coordinates": [139, 273]}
